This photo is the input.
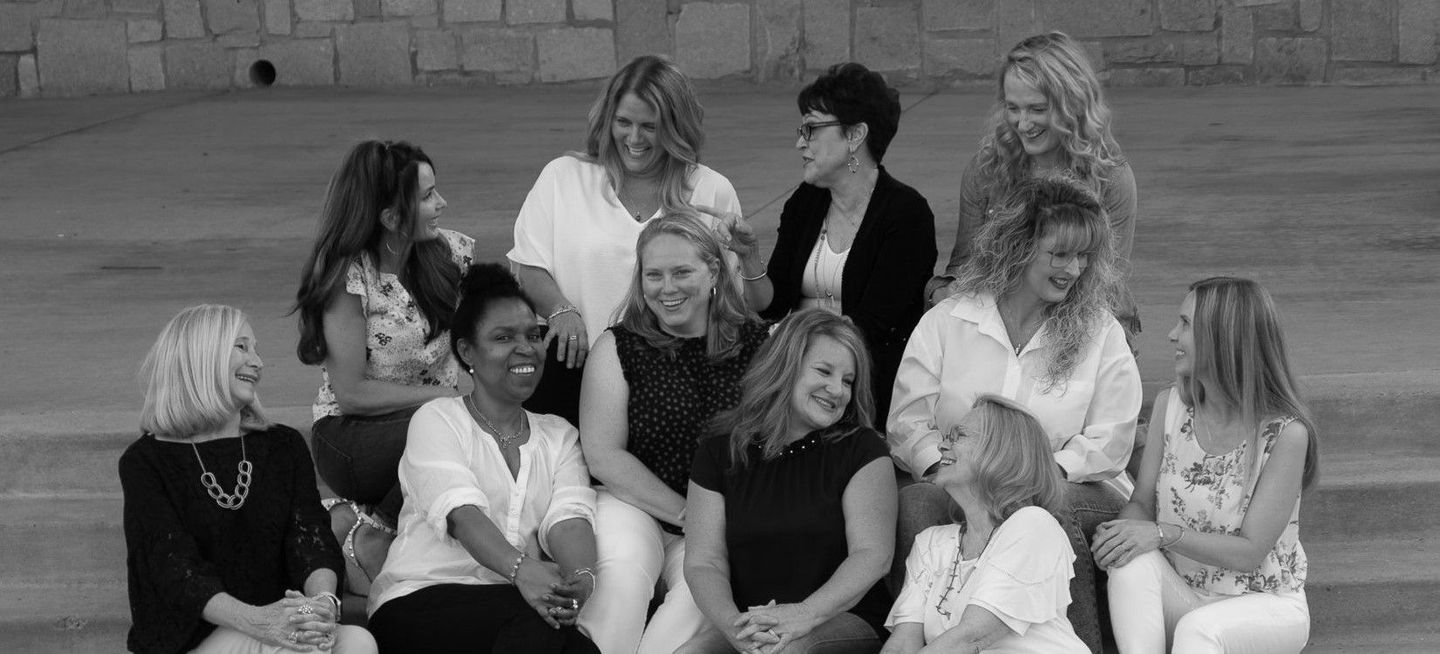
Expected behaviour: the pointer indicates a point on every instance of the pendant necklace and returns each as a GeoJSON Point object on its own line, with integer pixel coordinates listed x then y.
{"type": "Point", "coordinates": [233, 500]}
{"type": "Point", "coordinates": [504, 440]}
{"type": "Point", "coordinates": [826, 287]}
{"type": "Point", "coordinates": [955, 568]}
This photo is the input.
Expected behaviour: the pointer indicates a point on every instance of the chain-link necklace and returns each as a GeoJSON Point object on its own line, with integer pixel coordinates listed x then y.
{"type": "Point", "coordinates": [505, 441]}
{"type": "Point", "coordinates": [233, 500]}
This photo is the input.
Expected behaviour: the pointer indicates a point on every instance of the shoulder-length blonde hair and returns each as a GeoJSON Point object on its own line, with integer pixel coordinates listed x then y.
{"type": "Point", "coordinates": [728, 311]}
{"type": "Point", "coordinates": [1014, 467]}
{"type": "Point", "coordinates": [1240, 360]}
{"type": "Point", "coordinates": [1005, 246]}
{"type": "Point", "coordinates": [186, 375]}
{"type": "Point", "coordinates": [1079, 115]}
{"type": "Point", "coordinates": [678, 133]}
{"type": "Point", "coordinates": [766, 409]}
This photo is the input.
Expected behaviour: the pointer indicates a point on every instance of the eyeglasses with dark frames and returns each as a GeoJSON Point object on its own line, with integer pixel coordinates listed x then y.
{"type": "Point", "coordinates": [807, 130]}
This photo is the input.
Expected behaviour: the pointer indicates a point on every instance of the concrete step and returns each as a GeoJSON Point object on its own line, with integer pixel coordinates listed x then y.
{"type": "Point", "coordinates": [1375, 583]}
{"type": "Point", "coordinates": [74, 619]}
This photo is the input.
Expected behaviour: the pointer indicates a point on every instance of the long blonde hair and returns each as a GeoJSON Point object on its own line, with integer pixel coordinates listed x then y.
{"type": "Point", "coordinates": [186, 375]}
{"type": "Point", "coordinates": [1014, 467]}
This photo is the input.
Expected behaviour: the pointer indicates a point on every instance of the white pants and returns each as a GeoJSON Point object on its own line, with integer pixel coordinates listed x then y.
{"type": "Point", "coordinates": [1149, 600]}
{"type": "Point", "coordinates": [349, 639]}
{"type": "Point", "coordinates": [632, 555]}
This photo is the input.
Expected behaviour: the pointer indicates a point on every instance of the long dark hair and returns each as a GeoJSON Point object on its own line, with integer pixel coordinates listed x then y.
{"type": "Point", "coordinates": [374, 176]}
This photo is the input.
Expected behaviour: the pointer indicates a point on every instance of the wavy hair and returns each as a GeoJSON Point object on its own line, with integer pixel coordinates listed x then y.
{"type": "Point", "coordinates": [186, 375]}
{"type": "Point", "coordinates": [1005, 246]}
{"type": "Point", "coordinates": [765, 407]}
{"type": "Point", "coordinates": [727, 312]}
{"type": "Point", "coordinates": [678, 133]}
{"type": "Point", "coordinates": [1055, 65]}
{"type": "Point", "coordinates": [854, 94]}
{"type": "Point", "coordinates": [374, 177]}
{"type": "Point", "coordinates": [1013, 465]}
{"type": "Point", "coordinates": [1241, 362]}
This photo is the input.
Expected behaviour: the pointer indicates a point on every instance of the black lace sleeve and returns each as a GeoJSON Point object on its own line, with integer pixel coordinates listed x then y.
{"type": "Point", "coordinates": [309, 543]}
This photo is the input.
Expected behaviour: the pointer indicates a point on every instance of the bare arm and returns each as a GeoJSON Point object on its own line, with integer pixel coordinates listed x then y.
{"type": "Point", "coordinates": [977, 631]}
{"type": "Point", "coordinates": [358, 395]}
{"type": "Point", "coordinates": [707, 563]}
{"type": "Point", "coordinates": [869, 504]}
{"type": "Point", "coordinates": [483, 540]}
{"type": "Point", "coordinates": [539, 285]}
{"type": "Point", "coordinates": [906, 638]}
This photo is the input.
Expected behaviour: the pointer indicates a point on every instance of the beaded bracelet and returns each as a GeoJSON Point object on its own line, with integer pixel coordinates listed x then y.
{"type": "Point", "coordinates": [515, 569]}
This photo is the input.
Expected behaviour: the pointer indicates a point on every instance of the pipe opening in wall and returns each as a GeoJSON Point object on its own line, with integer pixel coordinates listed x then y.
{"type": "Point", "coordinates": [262, 73]}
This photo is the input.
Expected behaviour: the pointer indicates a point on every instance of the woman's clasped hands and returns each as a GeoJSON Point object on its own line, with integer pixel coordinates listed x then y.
{"type": "Point", "coordinates": [298, 623]}
{"type": "Point", "coordinates": [558, 599]}
{"type": "Point", "coordinates": [769, 629]}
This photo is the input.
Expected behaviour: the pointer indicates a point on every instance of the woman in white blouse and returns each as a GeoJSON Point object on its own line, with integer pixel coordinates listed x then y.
{"type": "Point", "coordinates": [495, 548]}
{"type": "Point", "coordinates": [999, 580]}
{"type": "Point", "coordinates": [1031, 322]}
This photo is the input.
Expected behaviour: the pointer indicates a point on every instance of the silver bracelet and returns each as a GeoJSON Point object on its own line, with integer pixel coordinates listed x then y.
{"type": "Point", "coordinates": [763, 272]}
{"type": "Point", "coordinates": [567, 308]}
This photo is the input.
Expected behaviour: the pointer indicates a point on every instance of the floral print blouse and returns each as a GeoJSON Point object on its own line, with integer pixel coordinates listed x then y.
{"type": "Point", "coordinates": [395, 331]}
{"type": "Point", "coordinates": [1210, 493]}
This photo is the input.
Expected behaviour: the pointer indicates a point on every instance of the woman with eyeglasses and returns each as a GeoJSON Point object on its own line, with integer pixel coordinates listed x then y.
{"type": "Point", "coordinates": [1050, 118]}
{"type": "Point", "coordinates": [852, 238]}
{"type": "Point", "coordinates": [1031, 322]}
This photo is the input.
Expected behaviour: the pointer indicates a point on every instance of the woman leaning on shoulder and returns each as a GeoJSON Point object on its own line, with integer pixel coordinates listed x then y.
{"type": "Point", "coordinates": [227, 548]}
{"type": "Point", "coordinates": [374, 302]}
{"type": "Point", "coordinates": [1207, 553]}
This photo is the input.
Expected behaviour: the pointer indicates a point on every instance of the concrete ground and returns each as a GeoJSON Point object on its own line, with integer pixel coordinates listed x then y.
{"type": "Point", "coordinates": [119, 211]}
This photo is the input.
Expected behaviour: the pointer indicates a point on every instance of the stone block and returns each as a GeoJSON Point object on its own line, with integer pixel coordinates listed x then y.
{"type": "Point", "coordinates": [323, 10]}
{"type": "Point", "coordinates": [1199, 50]}
{"type": "Point", "coordinates": [964, 57]}
{"type": "Point", "coordinates": [9, 86]}
{"type": "Point", "coordinates": [228, 16]}
{"type": "Point", "coordinates": [27, 76]}
{"type": "Point", "coordinates": [495, 50]}
{"type": "Point", "coordinates": [1277, 18]}
{"type": "Point", "coordinates": [1255, 3]}
{"type": "Point", "coordinates": [573, 53]}
{"type": "Point", "coordinates": [827, 32]}
{"type": "Point", "coordinates": [592, 9]}
{"type": "Point", "coordinates": [436, 50]}
{"type": "Point", "coordinates": [1217, 76]}
{"type": "Point", "coordinates": [17, 31]}
{"type": "Point", "coordinates": [182, 19]}
{"type": "Point", "coordinates": [374, 54]}
{"type": "Point", "coordinates": [425, 22]}
{"type": "Point", "coordinates": [1361, 30]}
{"type": "Point", "coordinates": [80, 57]}
{"type": "Point", "coordinates": [85, 9]}
{"type": "Point", "coordinates": [277, 16]}
{"type": "Point", "coordinates": [136, 6]}
{"type": "Point", "coordinates": [887, 37]}
{"type": "Point", "coordinates": [712, 40]}
{"type": "Point", "coordinates": [147, 68]}
{"type": "Point", "coordinates": [1312, 12]}
{"type": "Point", "coordinates": [1376, 76]}
{"type": "Point", "coordinates": [1148, 76]}
{"type": "Point", "coordinates": [534, 11]}
{"type": "Point", "coordinates": [308, 30]}
{"type": "Point", "coordinates": [408, 7]}
{"type": "Point", "coordinates": [958, 14]}
{"type": "Point", "coordinates": [1237, 36]}
{"type": "Point", "coordinates": [239, 40]}
{"type": "Point", "coordinates": [1289, 61]}
{"type": "Point", "coordinates": [301, 62]}
{"type": "Point", "coordinates": [240, 76]}
{"type": "Point", "coordinates": [1094, 53]}
{"type": "Point", "coordinates": [642, 27]}
{"type": "Point", "coordinates": [779, 48]}
{"type": "Point", "coordinates": [366, 8]}
{"type": "Point", "coordinates": [1091, 19]}
{"type": "Point", "coordinates": [1141, 51]}
{"type": "Point", "coordinates": [1419, 28]}
{"type": "Point", "coordinates": [198, 66]}
{"type": "Point", "coordinates": [144, 30]}
{"type": "Point", "coordinates": [1014, 21]}
{"type": "Point", "coordinates": [1188, 15]}
{"type": "Point", "coordinates": [471, 11]}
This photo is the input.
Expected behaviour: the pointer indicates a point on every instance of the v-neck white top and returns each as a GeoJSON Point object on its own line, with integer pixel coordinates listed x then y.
{"type": "Point", "coordinates": [450, 462]}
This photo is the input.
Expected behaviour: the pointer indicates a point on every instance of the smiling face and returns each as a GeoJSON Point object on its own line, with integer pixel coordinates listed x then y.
{"type": "Point", "coordinates": [1182, 336]}
{"type": "Point", "coordinates": [958, 450]}
{"type": "Point", "coordinates": [1028, 112]}
{"type": "Point", "coordinates": [676, 284]}
{"type": "Point", "coordinates": [504, 350]}
{"type": "Point", "coordinates": [1043, 280]}
{"type": "Point", "coordinates": [824, 387]}
{"type": "Point", "coordinates": [827, 153]}
{"type": "Point", "coordinates": [245, 365]}
{"type": "Point", "coordinates": [633, 130]}
{"type": "Point", "coordinates": [428, 207]}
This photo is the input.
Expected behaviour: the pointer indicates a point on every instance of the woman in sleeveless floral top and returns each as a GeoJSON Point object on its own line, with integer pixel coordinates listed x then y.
{"type": "Point", "coordinates": [1219, 491]}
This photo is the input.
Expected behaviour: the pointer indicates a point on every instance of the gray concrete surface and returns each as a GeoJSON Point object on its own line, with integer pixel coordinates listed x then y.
{"type": "Point", "coordinates": [119, 211]}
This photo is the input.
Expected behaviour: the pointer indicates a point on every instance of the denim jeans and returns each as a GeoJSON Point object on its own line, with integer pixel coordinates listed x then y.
{"type": "Point", "coordinates": [358, 457]}
{"type": "Point", "coordinates": [925, 505]}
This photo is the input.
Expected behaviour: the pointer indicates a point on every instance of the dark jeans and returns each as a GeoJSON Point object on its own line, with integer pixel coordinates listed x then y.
{"type": "Point", "coordinates": [559, 390]}
{"type": "Point", "coordinates": [464, 619]}
{"type": "Point", "coordinates": [359, 458]}
{"type": "Point", "coordinates": [926, 505]}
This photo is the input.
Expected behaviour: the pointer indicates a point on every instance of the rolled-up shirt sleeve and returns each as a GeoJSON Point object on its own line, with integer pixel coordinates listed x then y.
{"type": "Point", "coordinates": [571, 494]}
{"type": "Point", "coordinates": [433, 474]}
{"type": "Point", "coordinates": [1102, 449]}
{"type": "Point", "coordinates": [911, 430]}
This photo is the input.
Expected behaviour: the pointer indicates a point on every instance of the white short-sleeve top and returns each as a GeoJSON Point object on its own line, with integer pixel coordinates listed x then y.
{"type": "Point", "coordinates": [573, 225]}
{"type": "Point", "coordinates": [450, 462]}
{"type": "Point", "coordinates": [1022, 577]}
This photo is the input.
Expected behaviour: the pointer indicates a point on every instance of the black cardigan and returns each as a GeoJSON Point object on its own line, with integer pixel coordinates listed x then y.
{"type": "Point", "coordinates": [882, 286]}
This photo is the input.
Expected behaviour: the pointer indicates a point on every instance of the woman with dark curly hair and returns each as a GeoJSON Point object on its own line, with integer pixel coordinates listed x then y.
{"type": "Point", "coordinates": [852, 238]}
{"type": "Point", "coordinates": [1031, 322]}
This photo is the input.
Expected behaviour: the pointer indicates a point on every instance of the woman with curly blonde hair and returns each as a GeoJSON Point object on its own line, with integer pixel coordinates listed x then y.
{"type": "Point", "coordinates": [1050, 118]}
{"type": "Point", "coordinates": [1030, 321]}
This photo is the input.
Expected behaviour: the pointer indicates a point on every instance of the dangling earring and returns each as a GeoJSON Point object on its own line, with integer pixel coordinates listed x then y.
{"type": "Point", "coordinates": [712, 292]}
{"type": "Point", "coordinates": [392, 250]}
{"type": "Point", "coordinates": [854, 164]}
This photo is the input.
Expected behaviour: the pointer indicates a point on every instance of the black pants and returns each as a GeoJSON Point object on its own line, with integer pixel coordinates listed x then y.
{"type": "Point", "coordinates": [470, 619]}
{"type": "Point", "coordinates": [559, 389]}
{"type": "Point", "coordinates": [359, 458]}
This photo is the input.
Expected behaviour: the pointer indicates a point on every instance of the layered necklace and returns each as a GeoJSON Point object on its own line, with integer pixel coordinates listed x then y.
{"type": "Point", "coordinates": [500, 436]}
{"type": "Point", "coordinates": [232, 500]}
{"type": "Point", "coordinates": [955, 568]}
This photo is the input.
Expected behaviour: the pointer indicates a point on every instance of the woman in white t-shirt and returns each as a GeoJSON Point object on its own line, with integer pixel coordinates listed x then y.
{"type": "Point", "coordinates": [1000, 580]}
{"type": "Point", "coordinates": [575, 235]}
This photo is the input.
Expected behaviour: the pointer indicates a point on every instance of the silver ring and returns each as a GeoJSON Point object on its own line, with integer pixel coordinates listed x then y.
{"type": "Point", "coordinates": [574, 604]}
{"type": "Point", "coordinates": [573, 337]}
{"type": "Point", "coordinates": [295, 636]}
{"type": "Point", "coordinates": [306, 610]}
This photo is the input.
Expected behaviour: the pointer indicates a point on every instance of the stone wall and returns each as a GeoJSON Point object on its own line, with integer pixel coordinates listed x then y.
{"type": "Point", "coordinates": [74, 47]}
